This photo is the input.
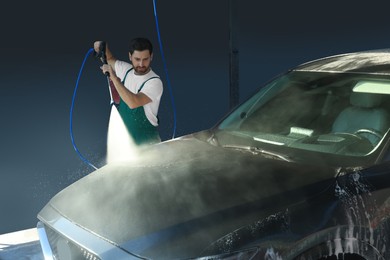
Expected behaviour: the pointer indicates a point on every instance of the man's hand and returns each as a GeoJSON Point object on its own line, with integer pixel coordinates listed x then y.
{"type": "Point", "coordinates": [98, 46]}
{"type": "Point", "coordinates": [107, 70]}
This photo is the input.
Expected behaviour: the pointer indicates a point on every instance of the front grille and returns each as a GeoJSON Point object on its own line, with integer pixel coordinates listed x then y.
{"type": "Point", "coordinates": [65, 249]}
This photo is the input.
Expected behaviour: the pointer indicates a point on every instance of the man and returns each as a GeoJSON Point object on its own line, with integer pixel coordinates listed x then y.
{"type": "Point", "coordinates": [139, 88]}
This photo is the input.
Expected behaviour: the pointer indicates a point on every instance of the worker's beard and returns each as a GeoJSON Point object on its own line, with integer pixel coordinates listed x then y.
{"type": "Point", "coordinates": [141, 70]}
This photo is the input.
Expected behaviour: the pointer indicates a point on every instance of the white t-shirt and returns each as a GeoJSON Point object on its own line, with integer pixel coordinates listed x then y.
{"type": "Point", "coordinates": [153, 88]}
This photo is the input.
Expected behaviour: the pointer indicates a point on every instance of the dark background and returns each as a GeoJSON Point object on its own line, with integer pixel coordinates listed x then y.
{"type": "Point", "coordinates": [43, 45]}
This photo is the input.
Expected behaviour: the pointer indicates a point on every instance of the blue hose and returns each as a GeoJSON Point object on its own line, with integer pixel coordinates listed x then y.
{"type": "Point", "coordinates": [71, 112]}
{"type": "Point", "coordinates": [166, 71]}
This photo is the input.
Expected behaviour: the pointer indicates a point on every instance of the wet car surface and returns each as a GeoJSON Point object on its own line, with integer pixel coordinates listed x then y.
{"type": "Point", "coordinates": [299, 171]}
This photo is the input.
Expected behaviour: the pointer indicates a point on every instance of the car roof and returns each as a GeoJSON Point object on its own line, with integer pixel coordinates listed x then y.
{"type": "Point", "coordinates": [371, 61]}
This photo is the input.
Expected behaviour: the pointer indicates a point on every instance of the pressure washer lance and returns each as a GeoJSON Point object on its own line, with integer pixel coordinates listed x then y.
{"type": "Point", "coordinates": [102, 56]}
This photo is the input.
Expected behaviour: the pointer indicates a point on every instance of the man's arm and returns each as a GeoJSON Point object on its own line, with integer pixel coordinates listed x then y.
{"type": "Point", "coordinates": [131, 99]}
{"type": "Point", "coordinates": [109, 56]}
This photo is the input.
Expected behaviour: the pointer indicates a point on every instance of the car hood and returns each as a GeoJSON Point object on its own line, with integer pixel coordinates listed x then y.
{"type": "Point", "coordinates": [185, 185]}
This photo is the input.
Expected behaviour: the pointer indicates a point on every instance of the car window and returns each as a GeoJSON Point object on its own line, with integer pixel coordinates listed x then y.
{"type": "Point", "coordinates": [333, 113]}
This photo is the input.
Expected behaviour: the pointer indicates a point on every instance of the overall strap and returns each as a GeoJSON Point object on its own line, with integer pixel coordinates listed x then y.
{"type": "Point", "coordinates": [127, 72]}
{"type": "Point", "coordinates": [145, 82]}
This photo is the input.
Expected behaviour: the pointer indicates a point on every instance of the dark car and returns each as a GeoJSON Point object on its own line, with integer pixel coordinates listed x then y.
{"type": "Point", "coordinates": [300, 170]}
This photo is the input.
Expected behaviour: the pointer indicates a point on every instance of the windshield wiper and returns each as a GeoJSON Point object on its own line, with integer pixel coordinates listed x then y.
{"type": "Point", "coordinates": [256, 150]}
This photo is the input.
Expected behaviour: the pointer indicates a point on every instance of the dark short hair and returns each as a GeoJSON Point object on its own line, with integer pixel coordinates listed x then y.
{"type": "Point", "coordinates": [140, 44]}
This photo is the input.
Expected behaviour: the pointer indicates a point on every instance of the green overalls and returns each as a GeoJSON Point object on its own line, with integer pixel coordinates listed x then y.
{"type": "Point", "coordinates": [138, 125]}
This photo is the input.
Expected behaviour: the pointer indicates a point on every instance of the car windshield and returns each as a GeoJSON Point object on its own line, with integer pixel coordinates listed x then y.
{"type": "Point", "coordinates": [343, 114]}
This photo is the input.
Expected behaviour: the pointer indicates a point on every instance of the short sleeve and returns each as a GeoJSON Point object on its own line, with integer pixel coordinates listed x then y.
{"type": "Point", "coordinates": [121, 68]}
